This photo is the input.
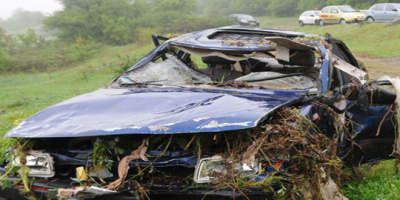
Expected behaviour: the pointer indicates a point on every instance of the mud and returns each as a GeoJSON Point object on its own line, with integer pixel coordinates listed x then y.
{"type": "Point", "coordinates": [380, 66]}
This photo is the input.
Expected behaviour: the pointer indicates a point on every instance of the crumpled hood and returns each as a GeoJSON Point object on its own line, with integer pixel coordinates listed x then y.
{"type": "Point", "coordinates": [154, 111]}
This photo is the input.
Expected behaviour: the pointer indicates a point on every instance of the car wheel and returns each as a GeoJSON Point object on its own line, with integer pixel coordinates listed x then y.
{"type": "Point", "coordinates": [370, 19]}
{"type": "Point", "coordinates": [342, 21]}
{"type": "Point", "coordinates": [301, 23]}
{"type": "Point", "coordinates": [321, 23]}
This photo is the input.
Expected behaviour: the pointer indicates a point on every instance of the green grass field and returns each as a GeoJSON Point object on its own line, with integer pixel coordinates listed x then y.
{"type": "Point", "coordinates": [374, 39]}
{"type": "Point", "coordinates": [24, 94]}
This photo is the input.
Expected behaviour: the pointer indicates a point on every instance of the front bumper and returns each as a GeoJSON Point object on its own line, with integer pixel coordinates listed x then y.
{"type": "Point", "coordinates": [47, 189]}
{"type": "Point", "coordinates": [352, 20]}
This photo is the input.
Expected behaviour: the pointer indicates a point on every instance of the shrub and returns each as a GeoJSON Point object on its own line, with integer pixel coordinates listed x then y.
{"type": "Point", "coordinates": [52, 55]}
{"type": "Point", "coordinates": [4, 60]}
{"type": "Point", "coordinates": [143, 35]}
{"type": "Point", "coordinates": [194, 23]}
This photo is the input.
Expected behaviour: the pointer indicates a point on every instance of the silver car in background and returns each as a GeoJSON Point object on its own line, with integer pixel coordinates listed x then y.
{"type": "Point", "coordinates": [310, 17]}
{"type": "Point", "coordinates": [383, 12]}
{"type": "Point", "coordinates": [244, 20]}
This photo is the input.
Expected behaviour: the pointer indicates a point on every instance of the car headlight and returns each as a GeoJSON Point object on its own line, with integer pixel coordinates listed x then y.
{"type": "Point", "coordinates": [244, 21]}
{"type": "Point", "coordinates": [41, 164]}
{"type": "Point", "coordinates": [216, 168]}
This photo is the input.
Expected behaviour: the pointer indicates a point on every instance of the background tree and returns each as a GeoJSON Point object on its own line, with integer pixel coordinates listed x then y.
{"type": "Point", "coordinates": [182, 6]}
{"type": "Point", "coordinates": [22, 19]}
{"type": "Point", "coordinates": [5, 43]}
{"type": "Point", "coordinates": [29, 38]}
{"type": "Point", "coordinates": [283, 8]}
{"type": "Point", "coordinates": [304, 5]}
{"type": "Point", "coordinates": [255, 7]}
{"type": "Point", "coordinates": [104, 21]}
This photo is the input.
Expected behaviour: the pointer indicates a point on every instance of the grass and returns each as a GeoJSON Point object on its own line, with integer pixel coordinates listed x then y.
{"type": "Point", "coordinates": [24, 94]}
{"type": "Point", "coordinates": [380, 182]}
{"type": "Point", "coordinates": [278, 22]}
{"type": "Point", "coordinates": [374, 39]}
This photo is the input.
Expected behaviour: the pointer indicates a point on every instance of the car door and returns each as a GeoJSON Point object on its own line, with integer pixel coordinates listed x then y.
{"type": "Point", "coordinates": [308, 19]}
{"type": "Point", "coordinates": [391, 12]}
{"type": "Point", "coordinates": [378, 12]}
{"type": "Point", "coordinates": [334, 15]}
{"type": "Point", "coordinates": [324, 15]}
{"type": "Point", "coordinates": [313, 17]}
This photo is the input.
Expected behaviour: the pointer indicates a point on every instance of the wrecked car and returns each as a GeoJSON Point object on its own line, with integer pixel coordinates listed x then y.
{"type": "Point", "coordinates": [225, 112]}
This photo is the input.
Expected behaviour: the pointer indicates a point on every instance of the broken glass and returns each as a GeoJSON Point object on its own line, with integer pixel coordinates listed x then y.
{"type": "Point", "coordinates": [169, 72]}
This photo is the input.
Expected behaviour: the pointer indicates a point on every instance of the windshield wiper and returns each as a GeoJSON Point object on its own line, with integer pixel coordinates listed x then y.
{"type": "Point", "coordinates": [132, 82]}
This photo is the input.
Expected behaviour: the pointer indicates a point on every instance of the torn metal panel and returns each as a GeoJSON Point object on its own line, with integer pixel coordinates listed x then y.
{"type": "Point", "coordinates": [289, 44]}
{"type": "Point", "coordinates": [282, 53]}
{"type": "Point", "coordinates": [151, 110]}
{"type": "Point", "coordinates": [348, 68]}
{"type": "Point", "coordinates": [206, 53]}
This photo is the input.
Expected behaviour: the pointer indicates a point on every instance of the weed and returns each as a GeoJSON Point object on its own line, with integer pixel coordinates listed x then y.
{"type": "Point", "coordinates": [126, 63]}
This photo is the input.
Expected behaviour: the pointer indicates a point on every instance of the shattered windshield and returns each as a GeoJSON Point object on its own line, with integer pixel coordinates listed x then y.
{"type": "Point", "coordinates": [268, 74]}
{"type": "Point", "coordinates": [278, 63]}
{"type": "Point", "coordinates": [169, 72]}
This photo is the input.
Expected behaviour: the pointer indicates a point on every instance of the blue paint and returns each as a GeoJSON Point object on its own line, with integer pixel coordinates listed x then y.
{"type": "Point", "coordinates": [154, 111]}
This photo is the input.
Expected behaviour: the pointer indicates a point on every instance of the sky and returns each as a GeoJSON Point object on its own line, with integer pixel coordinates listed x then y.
{"type": "Point", "coordinates": [47, 7]}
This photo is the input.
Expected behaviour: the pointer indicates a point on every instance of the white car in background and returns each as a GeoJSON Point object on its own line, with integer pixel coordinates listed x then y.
{"type": "Point", "coordinates": [310, 17]}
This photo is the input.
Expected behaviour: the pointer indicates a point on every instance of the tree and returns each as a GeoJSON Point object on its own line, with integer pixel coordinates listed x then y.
{"type": "Point", "coordinates": [140, 7]}
{"type": "Point", "coordinates": [226, 7]}
{"type": "Point", "coordinates": [182, 6]}
{"type": "Point", "coordinates": [29, 38]}
{"type": "Point", "coordinates": [219, 7]}
{"type": "Point", "coordinates": [99, 20]}
{"type": "Point", "coordinates": [283, 8]}
{"type": "Point", "coordinates": [21, 19]}
{"type": "Point", "coordinates": [5, 42]}
{"type": "Point", "coordinates": [304, 5]}
{"type": "Point", "coordinates": [255, 7]}
{"type": "Point", "coordinates": [166, 14]}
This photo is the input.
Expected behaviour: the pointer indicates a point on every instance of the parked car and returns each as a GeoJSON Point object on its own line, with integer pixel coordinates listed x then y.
{"type": "Point", "coordinates": [383, 12]}
{"type": "Point", "coordinates": [266, 101]}
{"type": "Point", "coordinates": [244, 19]}
{"type": "Point", "coordinates": [340, 15]}
{"type": "Point", "coordinates": [310, 17]}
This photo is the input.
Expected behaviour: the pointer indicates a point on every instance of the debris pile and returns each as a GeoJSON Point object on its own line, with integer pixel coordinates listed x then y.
{"type": "Point", "coordinates": [303, 160]}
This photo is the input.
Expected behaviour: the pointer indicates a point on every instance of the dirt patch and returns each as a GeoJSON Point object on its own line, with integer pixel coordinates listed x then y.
{"type": "Point", "coordinates": [379, 66]}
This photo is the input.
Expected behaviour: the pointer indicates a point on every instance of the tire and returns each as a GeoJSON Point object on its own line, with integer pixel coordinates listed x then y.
{"type": "Point", "coordinates": [342, 21]}
{"type": "Point", "coordinates": [301, 23]}
{"type": "Point", "coordinates": [370, 19]}
{"type": "Point", "coordinates": [321, 23]}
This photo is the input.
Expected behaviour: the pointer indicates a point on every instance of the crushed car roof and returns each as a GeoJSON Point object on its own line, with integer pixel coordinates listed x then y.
{"type": "Point", "coordinates": [247, 39]}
